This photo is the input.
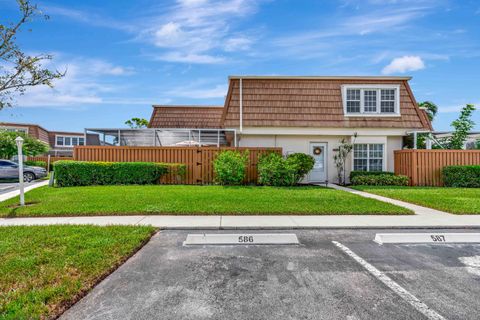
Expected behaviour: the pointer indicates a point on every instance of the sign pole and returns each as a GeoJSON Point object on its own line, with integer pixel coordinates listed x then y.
{"type": "Point", "coordinates": [19, 142]}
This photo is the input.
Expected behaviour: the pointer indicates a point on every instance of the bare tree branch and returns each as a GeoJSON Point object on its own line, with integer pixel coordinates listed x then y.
{"type": "Point", "coordinates": [26, 71]}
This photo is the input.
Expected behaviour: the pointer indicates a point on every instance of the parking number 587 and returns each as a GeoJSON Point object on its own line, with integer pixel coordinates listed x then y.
{"type": "Point", "coordinates": [437, 238]}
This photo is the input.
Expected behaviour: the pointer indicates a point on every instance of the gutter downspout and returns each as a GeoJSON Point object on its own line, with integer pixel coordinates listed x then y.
{"type": "Point", "coordinates": [241, 105]}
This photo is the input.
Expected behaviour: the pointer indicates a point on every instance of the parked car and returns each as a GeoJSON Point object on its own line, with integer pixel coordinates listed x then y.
{"type": "Point", "coordinates": [9, 170]}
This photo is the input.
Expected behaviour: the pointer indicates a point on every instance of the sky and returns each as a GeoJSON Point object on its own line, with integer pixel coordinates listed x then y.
{"type": "Point", "coordinates": [122, 56]}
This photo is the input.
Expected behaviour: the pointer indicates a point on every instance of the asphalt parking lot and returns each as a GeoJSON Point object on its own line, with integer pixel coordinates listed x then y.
{"type": "Point", "coordinates": [314, 280]}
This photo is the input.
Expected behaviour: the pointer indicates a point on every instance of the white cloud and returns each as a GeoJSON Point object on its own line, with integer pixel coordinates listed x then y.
{"type": "Point", "coordinates": [378, 21]}
{"type": "Point", "coordinates": [86, 82]}
{"type": "Point", "coordinates": [86, 17]}
{"type": "Point", "coordinates": [105, 68]}
{"type": "Point", "coordinates": [238, 43]}
{"type": "Point", "coordinates": [178, 56]}
{"type": "Point", "coordinates": [404, 64]}
{"type": "Point", "coordinates": [192, 30]}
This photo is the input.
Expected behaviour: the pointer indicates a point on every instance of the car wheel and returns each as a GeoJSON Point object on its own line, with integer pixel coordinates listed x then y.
{"type": "Point", "coordinates": [28, 177]}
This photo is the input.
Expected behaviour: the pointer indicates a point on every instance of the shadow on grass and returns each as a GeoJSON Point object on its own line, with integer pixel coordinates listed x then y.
{"type": "Point", "coordinates": [14, 207]}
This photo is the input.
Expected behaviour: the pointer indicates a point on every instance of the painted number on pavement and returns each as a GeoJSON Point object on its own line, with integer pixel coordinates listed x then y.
{"type": "Point", "coordinates": [437, 238]}
{"type": "Point", "coordinates": [245, 239]}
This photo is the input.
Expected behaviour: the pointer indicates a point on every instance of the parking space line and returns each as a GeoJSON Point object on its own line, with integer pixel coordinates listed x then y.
{"type": "Point", "coordinates": [403, 293]}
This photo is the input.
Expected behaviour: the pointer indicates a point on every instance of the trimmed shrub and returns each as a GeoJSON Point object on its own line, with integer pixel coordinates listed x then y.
{"type": "Point", "coordinates": [353, 174]}
{"type": "Point", "coordinates": [230, 167]}
{"type": "Point", "coordinates": [380, 180]}
{"type": "Point", "coordinates": [33, 163]}
{"type": "Point", "coordinates": [301, 163]}
{"type": "Point", "coordinates": [271, 170]}
{"type": "Point", "coordinates": [80, 173]}
{"type": "Point", "coordinates": [461, 176]}
{"type": "Point", "coordinates": [275, 170]}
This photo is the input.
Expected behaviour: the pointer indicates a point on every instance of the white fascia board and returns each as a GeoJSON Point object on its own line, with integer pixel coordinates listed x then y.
{"type": "Point", "coordinates": [370, 139]}
{"type": "Point", "coordinates": [324, 131]}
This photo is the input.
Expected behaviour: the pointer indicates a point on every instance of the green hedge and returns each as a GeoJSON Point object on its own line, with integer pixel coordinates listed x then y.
{"type": "Point", "coordinates": [379, 180]}
{"type": "Point", "coordinates": [461, 176]}
{"type": "Point", "coordinates": [353, 174]}
{"type": "Point", "coordinates": [79, 173]}
{"type": "Point", "coordinates": [33, 163]}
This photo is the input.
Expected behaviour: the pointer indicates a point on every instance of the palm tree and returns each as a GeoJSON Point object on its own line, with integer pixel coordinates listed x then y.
{"type": "Point", "coordinates": [430, 107]}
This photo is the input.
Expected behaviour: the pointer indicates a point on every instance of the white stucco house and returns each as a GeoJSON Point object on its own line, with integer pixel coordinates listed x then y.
{"type": "Point", "coordinates": [302, 114]}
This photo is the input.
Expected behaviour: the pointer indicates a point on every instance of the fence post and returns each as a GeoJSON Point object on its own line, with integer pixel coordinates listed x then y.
{"type": "Point", "coordinates": [414, 168]}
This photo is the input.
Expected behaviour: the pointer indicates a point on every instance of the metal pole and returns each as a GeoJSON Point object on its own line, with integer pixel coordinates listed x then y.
{"type": "Point", "coordinates": [199, 137]}
{"type": "Point", "coordinates": [48, 163]}
{"type": "Point", "coordinates": [415, 140]}
{"type": "Point", "coordinates": [218, 138]}
{"type": "Point", "coordinates": [20, 176]}
{"type": "Point", "coordinates": [119, 142]}
{"type": "Point", "coordinates": [235, 137]}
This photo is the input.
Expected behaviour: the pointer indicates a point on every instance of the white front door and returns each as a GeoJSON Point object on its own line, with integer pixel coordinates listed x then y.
{"type": "Point", "coordinates": [318, 150]}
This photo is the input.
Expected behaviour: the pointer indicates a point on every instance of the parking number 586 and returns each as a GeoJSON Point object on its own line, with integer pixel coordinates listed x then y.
{"type": "Point", "coordinates": [245, 239]}
{"type": "Point", "coordinates": [438, 238]}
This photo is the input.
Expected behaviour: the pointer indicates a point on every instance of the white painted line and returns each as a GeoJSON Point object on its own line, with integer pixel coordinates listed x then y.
{"type": "Point", "coordinates": [434, 237]}
{"type": "Point", "coordinates": [404, 294]}
{"type": "Point", "coordinates": [241, 239]}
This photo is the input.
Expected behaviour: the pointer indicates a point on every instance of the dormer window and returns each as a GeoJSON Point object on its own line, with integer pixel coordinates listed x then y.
{"type": "Point", "coordinates": [371, 100]}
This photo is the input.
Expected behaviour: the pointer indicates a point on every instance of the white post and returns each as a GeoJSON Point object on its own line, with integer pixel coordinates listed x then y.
{"type": "Point", "coordinates": [428, 143]}
{"type": "Point", "coordinates": [415, 140]}
{"type": "Point", "coordinates": [19, 141]}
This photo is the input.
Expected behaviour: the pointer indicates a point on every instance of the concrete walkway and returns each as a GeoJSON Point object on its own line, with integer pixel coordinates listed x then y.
{"type": "Point", "coordinates": [423, 218]}
{"type": "Point", "coordinates": [16, 192]}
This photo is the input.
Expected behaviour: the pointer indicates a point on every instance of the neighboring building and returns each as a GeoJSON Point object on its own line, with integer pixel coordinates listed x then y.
{"type": "Point", "coordinates": [470, 143]}
{"type": "Point", "coordinates": [312, 115]}
{"type": "Point", "coordinates": [61, 143]}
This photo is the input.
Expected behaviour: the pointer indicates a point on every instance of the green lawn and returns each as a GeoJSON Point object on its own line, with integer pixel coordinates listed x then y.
{"type": "Point", "coordinates": [188, 200]}
{"type": "Point", "coordinates": [44, 269]}
{"type": "Point", "coordinates": [454, 200]}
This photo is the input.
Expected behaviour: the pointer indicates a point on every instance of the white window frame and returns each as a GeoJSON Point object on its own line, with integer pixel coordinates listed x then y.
{"type": "Point", "coordinates": [368, 143]}
{"type": "Point", "coordinates": [368, 87]}
{"type": "Point", "coordinates": [69, 145]}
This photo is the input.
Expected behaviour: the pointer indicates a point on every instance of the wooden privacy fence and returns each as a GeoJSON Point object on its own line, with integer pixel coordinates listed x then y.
{"type": "Point", "coordinates": [424, 167]}
{"type": "Point", "coordinates": [198, 160]}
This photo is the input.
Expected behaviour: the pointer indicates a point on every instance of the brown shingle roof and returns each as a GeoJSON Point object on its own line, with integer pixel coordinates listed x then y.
{"type": "Point", "coordinates": [312, 102]}
{"type": "Point", "coordinates": [186, 117]}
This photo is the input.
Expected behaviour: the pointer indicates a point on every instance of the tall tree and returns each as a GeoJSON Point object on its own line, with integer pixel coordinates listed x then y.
{"type": "Point", "coordinates": [137, 123]}
{"type": "Point", "coordinates": [31, 146]}
{"type": "Point", "coordinates": [430, 107]}
{"type": "Point", "coordinates": [19, 70]}
{"type": "Point", "coordinates": [462, 127]}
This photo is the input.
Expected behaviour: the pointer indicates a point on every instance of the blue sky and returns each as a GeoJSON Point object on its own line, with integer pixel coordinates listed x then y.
{"type": "Point", "coordinates": [123, 56]}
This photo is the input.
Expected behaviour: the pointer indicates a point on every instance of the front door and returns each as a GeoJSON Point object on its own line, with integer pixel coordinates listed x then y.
{"type": "Point", "coordinates": [318, 150]}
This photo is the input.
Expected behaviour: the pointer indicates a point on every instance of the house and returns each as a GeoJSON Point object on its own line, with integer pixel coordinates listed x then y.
{"type": "Point", "coordinates": [312, 115]}
{"type": "Point", "coordinates": [61, 143]}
